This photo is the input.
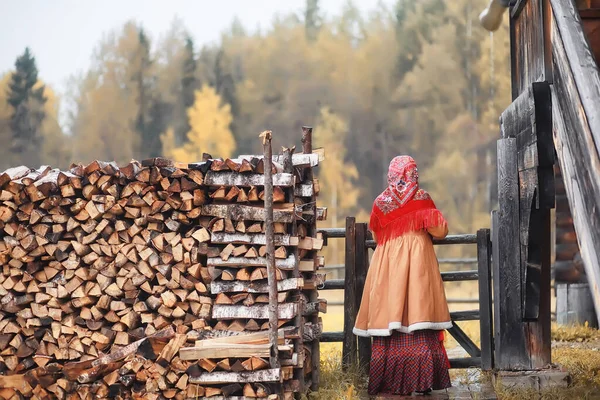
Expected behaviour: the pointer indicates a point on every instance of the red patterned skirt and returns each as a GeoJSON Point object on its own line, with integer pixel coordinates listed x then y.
{"type": "Point", "coordinates": [405, 363]}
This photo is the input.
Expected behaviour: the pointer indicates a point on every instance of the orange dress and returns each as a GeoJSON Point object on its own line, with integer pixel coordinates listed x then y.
{"type": "Point", "coordinates": [404, 289]}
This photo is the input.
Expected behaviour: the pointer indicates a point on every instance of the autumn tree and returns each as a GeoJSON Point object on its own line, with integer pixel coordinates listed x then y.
{"type": "Point", "coordinates": [337, 176]}
{"type": "Point", "coordinates": [210, 131]}
{"type": "Point", "coordinates": [27, 102]}
{"type": "Point", "coordinates": [106, 101]}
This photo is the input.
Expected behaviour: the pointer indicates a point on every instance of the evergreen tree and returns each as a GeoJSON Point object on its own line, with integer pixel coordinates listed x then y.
{"type": "Point", "coordinates": [189, 84]}
{"type": "Point", "coordinates": [312, 20]}
{"type": "Point", "coordinates": [224, 82]}
{"type": "Point", "coordinates": [150, 138]}
{"type": "Point", "coordinates": [27, 101]}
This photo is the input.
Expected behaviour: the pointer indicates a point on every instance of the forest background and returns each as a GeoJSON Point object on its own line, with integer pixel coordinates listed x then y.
{"type": "Point", "coordinates": [421, 78]}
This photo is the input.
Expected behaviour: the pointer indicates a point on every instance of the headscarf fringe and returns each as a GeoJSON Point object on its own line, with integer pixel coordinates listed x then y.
{"type": "Point", "coordinates": [410, 222]}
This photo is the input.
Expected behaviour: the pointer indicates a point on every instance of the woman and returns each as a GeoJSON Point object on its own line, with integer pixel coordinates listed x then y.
{"type": "Point", "coordinates": [404, 305]}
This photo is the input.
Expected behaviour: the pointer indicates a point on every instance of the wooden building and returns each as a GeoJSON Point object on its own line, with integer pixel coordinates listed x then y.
{"type": "Point", "coordinates": [553, 122]}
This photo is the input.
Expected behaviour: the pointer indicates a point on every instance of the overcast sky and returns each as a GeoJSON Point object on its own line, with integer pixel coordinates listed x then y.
{"type": "Point", "coordinates": [63, 33]}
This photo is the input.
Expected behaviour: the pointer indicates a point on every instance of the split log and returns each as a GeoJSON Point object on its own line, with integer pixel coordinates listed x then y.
{"type": "Point", "coordinates": [253, 239]}
{"type": "Point", "coordinates": [222, 179]}
{"type": "Point", "coordinates": [268, 375]}
{"type": "Point", "coordinates": [239, 212]}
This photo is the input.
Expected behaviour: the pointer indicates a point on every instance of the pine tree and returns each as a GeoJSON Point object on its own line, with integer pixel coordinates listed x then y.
{"type": "Point", "coordinates": [27, 102]}
{"type": "Point", "coordinates": [150, 144]}
{"type": "Point", "coordinates": [189, 84]}
{"type": "Point", "coordinates": [312, 20]}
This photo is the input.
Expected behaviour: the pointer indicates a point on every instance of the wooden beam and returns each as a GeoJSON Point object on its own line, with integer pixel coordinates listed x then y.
{"type": "Point", "coordinates": [270, 257]}
{"type": "Point", "coordinates": [510, 340]}
{"type": "Point", "coordinates": [261, 311]}
{"type": "Point", "coordinates": [267, 375]}
{"type": "Point", "coordinates": [349, 349]}
{"type": "Point", "coordinates": [252, 287]}
{"type": "Point", "coordinates": [298, 160]}
{"type": "Point", "coordinates": [252, 238]}
{"type": "Point", "coordinates": [225, 350]}
{"type": "Point", "coordinates": [218, 179]}
{"type": "Point", "coordinates": [285, 264]}
{"type": "Point", "coordinates": [238, 212]}
{"type": "Point", "coordinates": [486, 333]}
{"type": "Point", "coordinates": [576, 131]}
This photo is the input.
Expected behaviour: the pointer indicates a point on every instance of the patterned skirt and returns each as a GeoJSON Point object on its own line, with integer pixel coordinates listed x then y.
{"type": "Point", "coordinates": [405, 363]}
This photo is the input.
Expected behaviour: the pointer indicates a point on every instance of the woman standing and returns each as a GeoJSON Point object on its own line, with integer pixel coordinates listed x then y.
{"type": "Point", "coordinates": [404, 305]}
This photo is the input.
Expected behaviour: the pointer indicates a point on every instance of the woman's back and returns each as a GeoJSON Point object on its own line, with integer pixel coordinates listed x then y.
{"type": "Point", "coordinates": [404, 305]}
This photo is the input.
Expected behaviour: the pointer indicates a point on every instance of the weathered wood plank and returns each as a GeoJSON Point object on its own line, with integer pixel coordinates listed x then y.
{"type": "Point", "coordinates": [362, 266]}
{"type": "Point", "coordinates": [304, 190]}
{"type": "Point", "coordinates": [576, 130]}
{"type": "Point", "coordinates": [252, 238]}
{"type": "Point", "coordinates": [509, 339]}
{"type": "Point", "coordinates": [254, 287]}
{"type": "Point", "coordinates": [266, 375]}
{"type": "Point", "coordinates": [464, 341]}
{"type": "Point", "coordinates": [261, 311]}
{"type": "Point", "coordinates": [349, 349]}
{"type": "Point", "coordinates": [486, 332]}
{"type": "Point", "coordinates": [575, 53]}
{"type": "Point", "coordinates": [238, 212]}
{"type": "Point", "coordinates": [286, 264]}
{"type": "Point", "coordinates": [225, 350]}
{"type": "Point", "coordinates": [215, 178]}
{"type": "Point", "coordinates": [298, 160]}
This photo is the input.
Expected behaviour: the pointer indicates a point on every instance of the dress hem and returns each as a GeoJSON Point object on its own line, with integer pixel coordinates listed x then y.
{"type": "Point", "coordinates": [397, 326]}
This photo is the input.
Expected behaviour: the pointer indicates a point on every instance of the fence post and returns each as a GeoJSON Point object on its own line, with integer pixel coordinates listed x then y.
{"type": "Point", "coordinates": [349, 350]}
{"type": "Point", "coordinates": [485, 298]}
{"type": "Point", "coordinates": [361, 267]}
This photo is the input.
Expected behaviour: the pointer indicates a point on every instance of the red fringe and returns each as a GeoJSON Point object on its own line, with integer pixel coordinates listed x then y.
{"type": "Point", "coordinates": [410, 222]}
{"type": "Point", "coordinates": [441, 338]}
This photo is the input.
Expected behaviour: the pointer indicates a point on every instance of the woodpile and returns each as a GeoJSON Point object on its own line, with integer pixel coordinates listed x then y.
{"type": "Point", "coordinates": [149, 281]}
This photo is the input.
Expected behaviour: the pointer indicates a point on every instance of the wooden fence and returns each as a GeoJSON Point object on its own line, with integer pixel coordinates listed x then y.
{"type": "Point", "coordinates": [358, 242]}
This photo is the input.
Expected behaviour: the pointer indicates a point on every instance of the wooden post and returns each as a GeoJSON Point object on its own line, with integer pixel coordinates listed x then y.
{"type": "Point", "coordinates": [349, 348]}
{"type": "Point", "coordinates": [307, 139]}
{"type": "Point", "coordinates": [288, 168]}
{"type": "Point", "coordinates": [510, 348]}
{"type": "Point", "coordinates": [362, 266]}
{"type": "Point", "coordinates": [270, 239]}
{"type": "Point", "coordinates": [485, 298]}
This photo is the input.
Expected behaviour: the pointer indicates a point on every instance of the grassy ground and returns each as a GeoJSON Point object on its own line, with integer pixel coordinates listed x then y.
{"type": "Point", "coordinates": [575, 348]}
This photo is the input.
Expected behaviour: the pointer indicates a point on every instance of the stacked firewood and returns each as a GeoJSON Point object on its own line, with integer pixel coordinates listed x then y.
{"type": "Point", "coordinates": [238, 273]}
{"type": "Point", "coordinates": [110, 275]}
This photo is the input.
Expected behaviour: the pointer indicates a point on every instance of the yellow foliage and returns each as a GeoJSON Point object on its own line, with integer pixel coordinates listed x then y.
{"type": "Point", "coordinates": [210, 122]}
{"type": "Point", "coordinates": [337, 175]}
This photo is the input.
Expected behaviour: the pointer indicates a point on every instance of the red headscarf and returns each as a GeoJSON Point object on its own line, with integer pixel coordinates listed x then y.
{"type": "Point", "coordinates": [403, 207]}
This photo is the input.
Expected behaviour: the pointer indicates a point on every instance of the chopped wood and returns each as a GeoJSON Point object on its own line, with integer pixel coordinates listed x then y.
{"type": "Point", "coordinates": [229, 312]}
{"type": "Point", "coordinates": [253, 239]}
{"type": "Point", "coordinates": [268, 375]}
{"type": "Point", "coordinates": [285, 263]}
{"type": "Point", "coordinates": [222, 179]}
{"type": "Point", "coordinates": [110, 273]}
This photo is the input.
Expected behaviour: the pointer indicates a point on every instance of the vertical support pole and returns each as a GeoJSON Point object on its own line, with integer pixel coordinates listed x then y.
{"type": "Point", "coordinates": [362, 266]}
{"type": "Point", "coordinates": [270, 235]}
{"type": "Point", "coordinates": [349, 348]}
{"type": "Point", "coordinates": [510, 348]}
{"type": "Point", "coordinates": [485, 298]}
{"type": "Point", "coordinates": [288, 168]}
{"type": "Point", "coordinates": [307, 132]}
{"type": "Point", "coordinates": [307, 139]}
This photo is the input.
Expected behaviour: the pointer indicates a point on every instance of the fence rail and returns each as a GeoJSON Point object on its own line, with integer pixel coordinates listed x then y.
{"type": "Point", "coordinates": [358, 242]}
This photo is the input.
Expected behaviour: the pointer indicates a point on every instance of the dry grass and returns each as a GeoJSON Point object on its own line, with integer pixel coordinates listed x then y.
{"type": "Point", "coordinates": [335, 383]}
{"type": "Point", "coordinates": [577, 333]}
{"type": "Point", "coordinates": [576, 351]}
